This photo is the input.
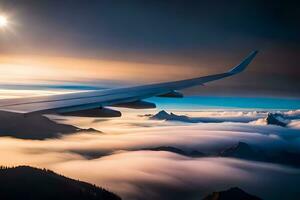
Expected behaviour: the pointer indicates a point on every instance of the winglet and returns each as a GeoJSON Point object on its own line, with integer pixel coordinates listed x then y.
{"type": "Point", "coordinates": [242, 66]}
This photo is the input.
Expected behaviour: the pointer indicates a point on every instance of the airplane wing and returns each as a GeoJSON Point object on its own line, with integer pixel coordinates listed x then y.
{"type": "Point", "coordinates": [93, 103]}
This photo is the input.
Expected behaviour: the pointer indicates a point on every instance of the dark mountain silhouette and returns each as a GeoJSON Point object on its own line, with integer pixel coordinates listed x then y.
{"type": "Point", "coordinates": [167, 148]}
{"type": "Point", "coordinates": [193, 153]}
{"type": "Point", "coordinates": [244, 151]}
{"type": "Point", "coordinates": [92, 154]}
{"type": "Point", "coordinates": [34, 126]}
{"type": "Point", "coordinates": [29, 183]}
{"type": "Point", "coordinates": [196, 153]}
{"type": "Point", "coordinates": [276, 119]}
{"type": "Point", "coordinates": [163, 115]}
{"type": "Point", "coordinates": [241, 150]}
{"type": "Point", "coordinates": [231, 194]}
{"type": "Point", "coordinates": [88, 130]}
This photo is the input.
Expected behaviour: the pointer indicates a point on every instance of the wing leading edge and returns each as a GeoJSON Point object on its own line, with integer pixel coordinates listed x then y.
{"type": "Point", "coordinates": [110, 97]}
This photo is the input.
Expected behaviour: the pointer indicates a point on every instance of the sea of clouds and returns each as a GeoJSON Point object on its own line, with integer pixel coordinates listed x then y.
{"type": "Point", "coordinates": [116, 159]}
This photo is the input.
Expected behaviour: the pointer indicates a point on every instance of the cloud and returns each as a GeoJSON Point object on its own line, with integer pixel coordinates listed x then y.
{"type": "Point", "coordinates": [149, 175]}
{"type": "Point", "coordinates": [254, 117]}
{"type": "Point", "coordinates": [294, 124]}
{"type": "Point", "coordinates": [293, 114]}
{"type": "Point", "coordinates": [136, 174]}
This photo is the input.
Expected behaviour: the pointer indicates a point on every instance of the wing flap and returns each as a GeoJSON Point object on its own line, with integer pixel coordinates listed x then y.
{"type": "Point", "coordinates": [136, 105]}
{"type": "Point", "coordinates": [95, 112]}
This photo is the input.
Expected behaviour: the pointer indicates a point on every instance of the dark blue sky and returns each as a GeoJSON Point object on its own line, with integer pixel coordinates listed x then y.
{"type": "Point", "coordinates": [166, 26]}
{"type": "Point", "coordinates": [166, 31]}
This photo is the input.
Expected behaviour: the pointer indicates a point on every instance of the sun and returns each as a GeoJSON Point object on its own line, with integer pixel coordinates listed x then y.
{"type": "Point", "coordinates": [3, 21]}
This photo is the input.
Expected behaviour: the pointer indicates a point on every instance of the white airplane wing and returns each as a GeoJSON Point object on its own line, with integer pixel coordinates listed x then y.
{"type": "Point", "coordinates": [93, 103]}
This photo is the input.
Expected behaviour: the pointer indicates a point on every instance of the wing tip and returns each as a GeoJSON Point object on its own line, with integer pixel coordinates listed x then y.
{"type": "Point", "coordinates": [243, 65]}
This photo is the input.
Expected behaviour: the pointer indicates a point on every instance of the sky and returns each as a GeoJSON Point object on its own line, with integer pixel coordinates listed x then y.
{"type": "Point", "coordinates": [112, 43]}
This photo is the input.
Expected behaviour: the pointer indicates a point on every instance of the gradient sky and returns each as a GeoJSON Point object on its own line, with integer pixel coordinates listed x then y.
{"type": "Point", "coordinates": [134, 42]}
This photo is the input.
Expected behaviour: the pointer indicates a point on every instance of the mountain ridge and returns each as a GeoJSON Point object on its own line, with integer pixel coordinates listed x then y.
{"type": "Point", "coordinates": [234, 193]}
{"type": "Point", "coordinates": [35, 126]}
{"type": "Point", "coordinates": [25, 182]}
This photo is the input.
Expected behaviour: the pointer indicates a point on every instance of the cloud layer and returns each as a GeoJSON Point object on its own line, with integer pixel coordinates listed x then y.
{"type": "Point", "coordinates": [120, 166]}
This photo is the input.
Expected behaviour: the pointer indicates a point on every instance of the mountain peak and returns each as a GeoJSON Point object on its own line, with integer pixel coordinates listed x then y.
{"type": "Point", "coordinates": [161, 115]}
{"type": "Point", "coordinates": [241, 150]}
{"type": "Point", "coordinates": [243, 145]}
{"type": "Point", "coordinates": [234, 193]}
{"type": "Point", "coordinates": [276, 119]}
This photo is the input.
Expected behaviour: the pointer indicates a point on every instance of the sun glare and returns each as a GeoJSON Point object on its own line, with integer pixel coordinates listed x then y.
{"type": "Point", "coordinates": [3, 21]}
